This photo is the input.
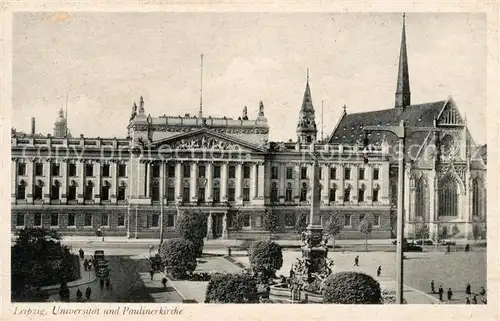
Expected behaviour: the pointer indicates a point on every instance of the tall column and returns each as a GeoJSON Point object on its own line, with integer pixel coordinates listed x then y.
{"type": "Point", "coordinates": [147, 171]}
{"type": "Point", "coordinates": [385, 183]}
{"type": "Point", "coordinates": [282, 173]}
{"type": "Point", "coordinates": [114, 182]}
{"type": "Point", "coordinates": [47, 181]}
{"type": "Point", "coordinates": [239, 183]}
{"type": "Point", "coordinates": [296, 188]}
{"type": "Point", "coordinates": [261, 181]}
{"type": "Point", "coordinates": [254, 191]}
{"type": "Point", "coordinates": [64, 181]}
{"type": "Point", "coordinates": [193, 188]}
{"type": "Point", "coordinates": [326, 184]}
{"type": "Point", "coordinates": [209, 227]}
{"type": "Point", "coordinates": [223, 181]}
{"type": "Point", "coordinates": [30, 188]}
{"type": "Point", "coordinates": [209, 170]}
{"type": "Point", "coordinates": [355, 183]}
{"type": "Point", "coordinates": [13, 181]}
{"type": "Point", "coordinates": [224, 226]}
{"type": "Point", "coordinates": [340, 175]}
{"type": "Point", "coordinates": [81, 177]}
{"type": "Point", "coordinates": [369, 184]}
{"type": "Point", "coordinates": [97, 190]}
{"type": "Point", "coordinates": [178, 182]}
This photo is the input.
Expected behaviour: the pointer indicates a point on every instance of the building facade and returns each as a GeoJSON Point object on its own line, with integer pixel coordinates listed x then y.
{"type": "Point", "coordinates": [222, 166]}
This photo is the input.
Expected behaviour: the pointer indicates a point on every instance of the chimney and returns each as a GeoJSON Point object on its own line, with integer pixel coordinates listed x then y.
{"type": "Point", "coordinates": [32, 125]}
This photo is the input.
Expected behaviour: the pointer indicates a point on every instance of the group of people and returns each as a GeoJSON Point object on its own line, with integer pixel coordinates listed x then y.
{"type": "Point", "coordinates": [470, 299]}
{"type": "Point", "coordinates": [79, 294]}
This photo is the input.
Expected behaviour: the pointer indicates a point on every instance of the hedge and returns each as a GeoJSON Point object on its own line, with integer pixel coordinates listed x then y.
{"type": "Point", "coordinates": [265, 257]}
{"type": "Point", "coordinates": [351, 288]}
{"type": "Point", "coordinates": [231, 288]}
{"type": "Point", "coordinates": [178, 256]}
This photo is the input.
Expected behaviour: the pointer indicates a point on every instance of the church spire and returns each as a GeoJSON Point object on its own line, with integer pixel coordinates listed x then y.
{"type": "Point", "coordinates": [306, 127]}
{"type": "Point", "coordinates": [403, 84]}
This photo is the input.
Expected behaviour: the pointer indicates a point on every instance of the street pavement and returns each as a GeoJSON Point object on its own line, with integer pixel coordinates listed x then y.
{"type": "Point", "coordinates": [127, 284]}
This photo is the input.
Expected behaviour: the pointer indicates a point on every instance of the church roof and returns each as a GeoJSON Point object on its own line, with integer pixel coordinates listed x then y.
{"type": "Point", "coordinates": [350, 127]}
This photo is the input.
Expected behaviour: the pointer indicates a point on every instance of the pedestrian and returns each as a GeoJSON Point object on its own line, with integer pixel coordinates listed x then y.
{"type": "Point", "coordinates": [467, 248]}
{"type": "Point", "coordinates": [467, 289]}
{"type": "Point", "coordinates": [164, 282]}
{"type": "Point", "coordinates": [79, 295]}
{"type": "Point", "coordinates": [447, 249]}
{"type": "Point", "coordinates": [440, 291]}
{"type": "Point", "coordinates": [483, 291]}
{"type": "Point", "coordinates": [433, 290]}
{"type": "Point", "coordinates": [85, 262]}
{"type": "Point", "coordinates": [152, 273]}
{"type": "Point", "coordinates": [88, 292]}
{"type": "Point", "coordinates": [108, 284]}
{"type": "Point", "coordinates": [356, 261]}
{"type": "Point", "coordinates": [450, 294]}
{"type": "Point", "coordinates": [82, 254]}
{"type": "Point", "coordinates": [467, 301]}
{"type": "Point", "coordinates": [379, 270]}
{"type": "Point", "coordinates": [474, 299]}
{"type": "Point", "coordinates": [101, 283]}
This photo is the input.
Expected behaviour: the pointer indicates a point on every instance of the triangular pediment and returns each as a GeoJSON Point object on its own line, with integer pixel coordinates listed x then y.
{"type": "Point", "coordinates": [450, 115]}
{"type": "Point", "coordinates": [205, 139]}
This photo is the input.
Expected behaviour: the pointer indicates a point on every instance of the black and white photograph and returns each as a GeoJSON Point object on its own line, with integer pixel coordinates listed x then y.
{"type": "Point", "coordinates": [247, 158]}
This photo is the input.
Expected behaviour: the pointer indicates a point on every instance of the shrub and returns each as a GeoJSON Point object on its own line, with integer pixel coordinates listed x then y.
{"type": "Point", "coordinates": [231, 288]}
{"type": "Point", "coordinates": [265, 258]}
{"type": "Point", "coordinates": [301, 222]}
{"type": "Point", "coordinates": [351, 288]}
{"type": "Point", "coordinates": [178, 257]}
{"type": "Point", "coordinates": [192, 226]}
{"type": "Point", "coordinates": [270, 222]}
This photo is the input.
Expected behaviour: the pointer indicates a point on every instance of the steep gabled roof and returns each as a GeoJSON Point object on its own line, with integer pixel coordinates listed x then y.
{"type": "Point", "coordinates": [350, 128]}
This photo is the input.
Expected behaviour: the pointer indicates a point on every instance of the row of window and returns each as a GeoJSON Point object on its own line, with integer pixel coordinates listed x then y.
{"type": "Point", "coordinates": [55, 192]}
{"type": "Point", "coordinates": [55, 169]}
{"type": "Point", "coordinates": [333, 173]}
{"type": "Point", "coordinates": [186, 171]}
{"type": "Point", "coordinates": [88, 221]}
{"type": "Point", "coordinates": [332, 194]}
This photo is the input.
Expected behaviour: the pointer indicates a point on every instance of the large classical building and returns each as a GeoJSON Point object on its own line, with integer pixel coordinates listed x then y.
{"type": "Point", "coordinates": [221, 166]}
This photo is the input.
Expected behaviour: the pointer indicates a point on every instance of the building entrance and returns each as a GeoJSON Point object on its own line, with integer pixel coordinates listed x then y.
{"type": "Point", "coordinates": [217, 225]}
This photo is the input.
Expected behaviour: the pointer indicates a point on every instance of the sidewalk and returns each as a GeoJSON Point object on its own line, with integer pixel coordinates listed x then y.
{"type": "Point", "coordinates": [155, 288]}
{"type": "Point", "coordinates": [410, 294]}
{"type": "Point", "coordinates": [85, 277]}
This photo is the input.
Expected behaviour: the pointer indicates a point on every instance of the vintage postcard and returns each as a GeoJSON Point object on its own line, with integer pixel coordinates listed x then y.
{"type": "Point", "coordinates": [194, 161]}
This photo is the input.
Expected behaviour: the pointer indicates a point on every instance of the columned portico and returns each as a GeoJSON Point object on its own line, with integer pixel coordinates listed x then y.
{"type": "Point", "coordinates": [223, 182]}
{"type": "Point", "coordinates": [209, 187]}
{"type": "Point", "coordinates": [178, 182]}
{"type": "Point", "coordinates": [239, 183]}
{"type": "Point", "coordinates": [193, 189]}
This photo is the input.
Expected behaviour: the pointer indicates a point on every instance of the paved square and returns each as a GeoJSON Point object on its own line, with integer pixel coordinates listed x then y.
{"type": "Point", "coordinates": [452, 270]}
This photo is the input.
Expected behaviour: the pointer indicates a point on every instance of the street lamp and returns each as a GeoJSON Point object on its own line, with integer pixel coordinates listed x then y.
{"type": "Point", "coordinates": [402, 132]}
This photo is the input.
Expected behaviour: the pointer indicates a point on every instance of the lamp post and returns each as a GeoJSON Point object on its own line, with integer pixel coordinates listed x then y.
{"type": "Point", "coordinates": [402, 132]}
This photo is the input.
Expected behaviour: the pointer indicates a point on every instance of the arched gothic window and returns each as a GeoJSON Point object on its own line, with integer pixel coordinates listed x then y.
{"type": "Point", "coordinates": [477, 197]}
{"type": "Point", "coordinates": [421, 198]}
{"type": "Point", "coordinates": [448, 197]}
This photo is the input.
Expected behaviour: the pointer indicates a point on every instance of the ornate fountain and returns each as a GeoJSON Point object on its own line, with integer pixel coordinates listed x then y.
{"type": "Point", "coordinates": [308, 273]}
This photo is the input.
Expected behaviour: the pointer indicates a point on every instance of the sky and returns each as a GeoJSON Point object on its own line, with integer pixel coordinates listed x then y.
{"type": "Point", "coordinates": [104, 62]}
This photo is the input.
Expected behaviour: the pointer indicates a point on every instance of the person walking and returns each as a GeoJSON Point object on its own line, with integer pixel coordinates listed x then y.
{"type": "Point", "coordinates": [433, 290]}
{"type": "Point", "coordinates": [447, 249]}
{"type": "Point", "coordinates": [440, 291]}
{"type": "Point", "coordinates": [467, 301]}
{"type": "Point", "coordinates": [88, 292]}
{"type": "Point", "coordinates": [152, 273]}
{"type": "Point", "coordinates": [356, 260]}
{"type": "Point", "coordinates": [474, 299]}
{"type": "Point", "coordinates": [164, 282]}
{"type": "Point", "coordinates": [79, 295]}
{"type": "Point", "coordinates": [101, 283]}
{"type": "Point", "coordinates": [379, 270]}
{"type": "Point", "coordinates": [483, 291]}
{"type": "Point", "coordinates": [450, 294]}
{"type": "Point", "coordinates": [108, 284]}
{"type": "Point", "coordinates": [467, 289]}
{"type": "Point", "coordinates": [82, 254]}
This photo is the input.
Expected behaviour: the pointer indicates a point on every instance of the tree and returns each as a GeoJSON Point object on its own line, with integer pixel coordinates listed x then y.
{"type": "Point", "coordinates": [365, 227]}
{"type": "Point", "coordinates": [421, 231]}
{"type": "Point", "coordinates": [266, 258]}
{"type": "Point", "coordinates": [178, 256]}
{"type": "Point", "coordinates": [192, 226]}
{"type": "Point", "coordinates": [270, 222]}
{"type": "Point", "coordinates": [333, 227]}
{"type": "Point", "coordinates": [351, 288]}
{"type": "Point", "coordinates": [301, 222]}
{"type": "Point", "coordinates": [231, 288]}
{"type": "Point", "coordinates": [238, 221]}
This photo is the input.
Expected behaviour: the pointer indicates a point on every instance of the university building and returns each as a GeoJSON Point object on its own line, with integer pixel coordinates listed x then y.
{"type": "Point", "coordinates": [221, 166]}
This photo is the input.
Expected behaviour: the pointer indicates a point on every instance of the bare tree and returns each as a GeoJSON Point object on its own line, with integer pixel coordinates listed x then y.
{"type": "Point", "coordinates": [366, 227]}
{"type": "Point", "coordinates": [333, 226]}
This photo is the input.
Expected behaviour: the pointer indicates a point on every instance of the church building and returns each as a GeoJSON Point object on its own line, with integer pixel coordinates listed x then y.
{"type": "Point", "coordinates": [228, 169]}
